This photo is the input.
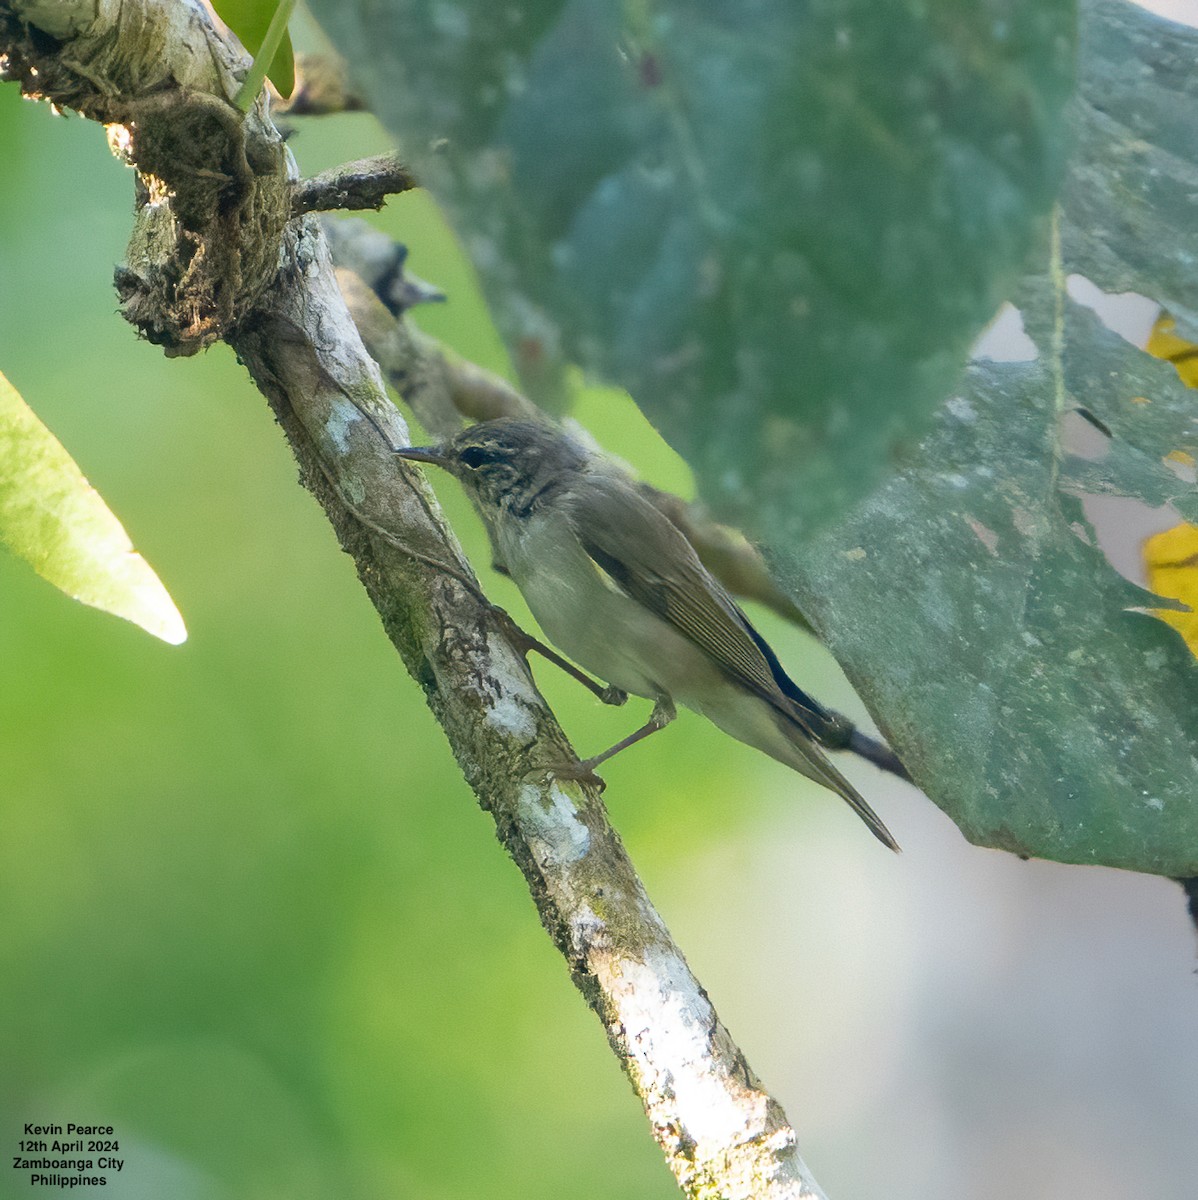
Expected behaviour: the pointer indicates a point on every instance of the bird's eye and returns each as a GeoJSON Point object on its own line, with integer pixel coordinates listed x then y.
{"type": "Point", "coordinates": [473, 456]}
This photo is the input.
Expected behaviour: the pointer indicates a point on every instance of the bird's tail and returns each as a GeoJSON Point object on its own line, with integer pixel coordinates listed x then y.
{"type": "Point", "coordinates": [822, 771]}
{"type": "Point", "coordinates": [783, 731]}
{"type": "Point", "coordinates": [838, 733]}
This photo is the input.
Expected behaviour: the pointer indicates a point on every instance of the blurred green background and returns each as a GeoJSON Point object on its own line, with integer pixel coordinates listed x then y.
{"type": "Point", "coordinates": [251, 913]}
{"type": "Point", "coordinates": [251, 916]}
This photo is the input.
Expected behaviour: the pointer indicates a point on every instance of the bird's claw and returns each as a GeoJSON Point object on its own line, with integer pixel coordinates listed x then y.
{"type": "Point", "coordinates": [576, 772]}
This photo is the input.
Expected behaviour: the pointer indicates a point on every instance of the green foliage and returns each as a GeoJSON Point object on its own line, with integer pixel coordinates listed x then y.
{"type": "Point", "coordinates": [249, 910]}
{"type": "Point", "coordinates": [779, 228]}
{"type": "Point", "coordinates": [55, 520]}
{"type": "Point", "coordinates": [1044, 713]}
{"type": "Point", "coordinates": [251, 21]}
{"type": "Point", "coordinates": [1128, 196]}
{"type": "Point", "coordinates": [779, 225]}
{"type": "Point", "coordinates": [1055, 719]}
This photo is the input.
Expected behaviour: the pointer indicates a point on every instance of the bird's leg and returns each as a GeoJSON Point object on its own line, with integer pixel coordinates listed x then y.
{"type": "Point", "coordinates": [524, 642]}
{"type": "Point", "coordinates": [663, 713]}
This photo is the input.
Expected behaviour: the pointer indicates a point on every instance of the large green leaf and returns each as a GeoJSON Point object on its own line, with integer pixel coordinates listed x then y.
{"type": "Point", "coordinates": [55, 520]}
{"type": "Point", "coordinates": [778, 224]}
{"type": "Point", "coordinates": [1129, 195]}
{"type": "Point", "coordinates": [968, 602]}
{"type": "Point", "coordinates": [967, 599]}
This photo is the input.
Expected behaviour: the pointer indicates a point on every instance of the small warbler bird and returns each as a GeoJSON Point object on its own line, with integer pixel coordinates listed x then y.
{"type": "Point", "coordinates": [620, 590]}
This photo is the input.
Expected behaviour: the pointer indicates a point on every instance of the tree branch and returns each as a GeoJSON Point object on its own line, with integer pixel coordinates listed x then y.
{"type": "Point", "coordinates": [119, 60]}
{"type": "Point", "coordinates": [365, 183]}
{"type": "Point", "coordinates": [322, 86]}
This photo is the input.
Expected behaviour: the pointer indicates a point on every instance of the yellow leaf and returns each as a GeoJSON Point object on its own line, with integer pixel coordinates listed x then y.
{"type": "Point", "coordinates": [1164, 343]}
{"type": "Point", "coordinates": [1172, 561]}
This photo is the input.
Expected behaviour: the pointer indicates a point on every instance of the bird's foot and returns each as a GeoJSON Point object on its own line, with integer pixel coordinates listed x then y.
{"type": "Point", "coordinates": [574, 772]}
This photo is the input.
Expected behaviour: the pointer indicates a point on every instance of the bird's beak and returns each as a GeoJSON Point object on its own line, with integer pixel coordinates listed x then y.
{"type": "Point", "coordinates": [428, 454]}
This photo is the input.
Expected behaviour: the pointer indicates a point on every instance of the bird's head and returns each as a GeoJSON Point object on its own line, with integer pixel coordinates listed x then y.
{"type": "Point", "coordinates": [509, 463]}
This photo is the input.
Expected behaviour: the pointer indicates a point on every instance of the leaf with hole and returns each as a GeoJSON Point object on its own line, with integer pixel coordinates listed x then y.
{"type": "Point", "coordinates": [1019, 675]}
{"type": "Point", "coordinates": [1022, 679]}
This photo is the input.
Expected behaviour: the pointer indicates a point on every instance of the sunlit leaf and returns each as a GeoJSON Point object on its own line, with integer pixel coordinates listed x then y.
{"type": "Point", "coordinates": [55, 520]}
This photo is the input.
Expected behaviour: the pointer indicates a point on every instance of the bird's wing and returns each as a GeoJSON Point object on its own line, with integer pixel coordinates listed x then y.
{"type": "Point", "coordinates": [822, 770]}
{"type": "Point", "coordinates": [629, 539]}
{"type": "Point", "coordinates": [691, 600]}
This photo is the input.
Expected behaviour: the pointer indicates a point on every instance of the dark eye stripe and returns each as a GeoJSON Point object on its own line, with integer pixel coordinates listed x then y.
{"type": "Point", "coordinates": [475, 456]}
